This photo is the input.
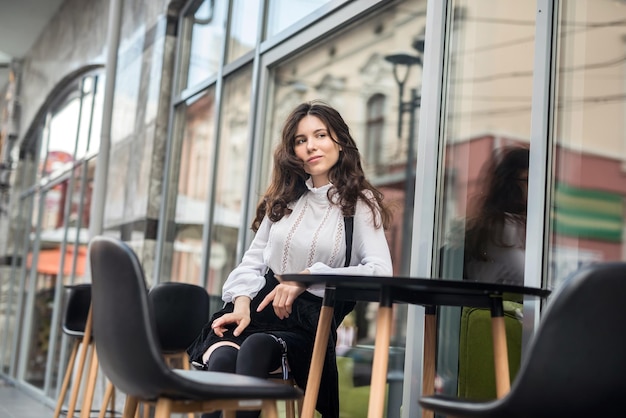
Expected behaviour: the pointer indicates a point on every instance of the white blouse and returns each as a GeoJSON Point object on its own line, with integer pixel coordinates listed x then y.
{"type": "Point", "coordinates": [505, 262]}
{"type": "Point", "coordinates": [311, 237]}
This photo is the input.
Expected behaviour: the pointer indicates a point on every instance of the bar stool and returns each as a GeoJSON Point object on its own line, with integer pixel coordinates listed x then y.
{"type": "Point", "coordinates": [75, 324]}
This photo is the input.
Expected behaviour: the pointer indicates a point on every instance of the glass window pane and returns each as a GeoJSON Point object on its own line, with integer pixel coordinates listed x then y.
{"type": "Point", "coordinates": [230, 186]}
{"type": "Point", "coordinates": [483, 194]}
{"type": "Point", "coordinates": [284, 13]}
{"type": "Point", "coordinates": [190, 187]}
{"type": "Point", "coordinates": [243, 28]}
{"type": "Point", "coordinates": [589, 198]}
{"type": "Point", "coordinates": [353, 71]}
{"type": "Point", "coordinates": [488, 113]}
{"type": "Point", "coordinates": [62, 138]}
{"type": "Point", "coordinates": [203, 37]}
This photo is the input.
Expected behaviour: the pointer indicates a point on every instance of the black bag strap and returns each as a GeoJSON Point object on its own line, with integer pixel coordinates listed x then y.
{"type": "Point", "coordinates": [349, 223]}
{"type": "Point", "coordinates": [343, 308]}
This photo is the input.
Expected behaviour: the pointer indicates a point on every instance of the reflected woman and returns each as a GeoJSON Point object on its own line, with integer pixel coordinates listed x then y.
{"type": "Point", "coordinates": [495, 238]}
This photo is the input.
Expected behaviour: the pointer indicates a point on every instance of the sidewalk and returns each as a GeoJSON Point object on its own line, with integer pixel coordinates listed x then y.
{"type": "Point", "coordinates": [15, 403]}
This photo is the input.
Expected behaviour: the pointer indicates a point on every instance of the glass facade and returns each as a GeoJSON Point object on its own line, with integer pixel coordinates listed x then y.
{"type": "Point", "coordinates": [494, 130]}
{"type": "Point", "coordinates": [53, 223]}
{"type": "Point", "coordinates": [588, 176]}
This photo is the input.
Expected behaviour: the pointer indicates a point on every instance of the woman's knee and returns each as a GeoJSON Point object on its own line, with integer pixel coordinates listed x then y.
{"type": "Point", "coordinates": [259, 354]}
{"type": "Point", "coordinates": [223, 359]}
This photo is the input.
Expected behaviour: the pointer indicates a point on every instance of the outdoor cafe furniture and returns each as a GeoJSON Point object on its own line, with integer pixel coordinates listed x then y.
{"type": "Point", "coordinates": [419, 291]}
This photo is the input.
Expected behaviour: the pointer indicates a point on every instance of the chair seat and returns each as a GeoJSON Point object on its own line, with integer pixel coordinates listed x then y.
{"type": "Point", "coordinates": [199, 385]}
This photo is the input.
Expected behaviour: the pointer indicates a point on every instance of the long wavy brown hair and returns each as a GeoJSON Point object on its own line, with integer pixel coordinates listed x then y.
{"type": "Point", "coordinates": [502, 193]}
{"type": "Point", "coordinates": [347, 176]}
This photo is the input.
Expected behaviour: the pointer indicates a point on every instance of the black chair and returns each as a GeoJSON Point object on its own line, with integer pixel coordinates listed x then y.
{"type": "Point", "coordinates": [180, 310]}
{"type": "Point", "coordinates": [130, 354]}
{"type": "Point", "coordinates": [77, 302]}
{"type": "Point", "coordinates": [576, 361]}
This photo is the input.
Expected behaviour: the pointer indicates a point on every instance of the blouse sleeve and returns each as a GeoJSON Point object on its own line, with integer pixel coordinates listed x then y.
{"type": "Point", "coordinates": [248, 278]}
{"type": "Point", "coordinates": [370, 250]}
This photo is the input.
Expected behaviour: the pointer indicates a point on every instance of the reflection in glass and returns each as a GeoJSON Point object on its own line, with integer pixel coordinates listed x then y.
{"type": "Point", "coordinates": [203, 39]}
{"type": "Point", "coordinates": [589, 199]}
{"type": "Point", "coordinates": [487, 109]}
{"type": "Point", "coordinates": [14, 308]}
{"type": "Point", "coordinates": [488, 106]}
{"type": "Point", "coordinates": [243, 33]}
{"type": "Point", "coordinates": [495, 234]}
{"type": "Point", "coordinates": [230, 186]}
{"type": "Point", "coordinates": [56, 227]}
{"type": "Point", "coordinates": [192, 185]}
{"type": "Point", "coordinates": [41, 281]}
{"type": "Point", "coordinates": [284, 13]}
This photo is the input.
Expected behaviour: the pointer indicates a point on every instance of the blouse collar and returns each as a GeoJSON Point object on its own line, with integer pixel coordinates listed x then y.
{"type": "Point", "coordinates": [318, 190]}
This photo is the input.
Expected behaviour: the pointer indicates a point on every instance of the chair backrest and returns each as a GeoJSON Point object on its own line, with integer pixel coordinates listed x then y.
{"type": "Point", "coordinates": [78, 300]}
{"type": "Point", "coordinates": [577, 359]}
{"type": "Point", "coordinates": [181, 310]}
{"type": "Point", "coordinates": [127, 344]}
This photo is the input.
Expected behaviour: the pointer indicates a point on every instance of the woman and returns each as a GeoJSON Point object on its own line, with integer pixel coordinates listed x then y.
{"type": "Point", "coordinates": [495, 239]}
{"type": "Point", "coordinates": [317, 186]}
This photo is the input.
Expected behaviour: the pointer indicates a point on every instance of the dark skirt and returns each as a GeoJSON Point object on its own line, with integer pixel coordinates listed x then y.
{"type": "Point", "coordinates": [298, 332]}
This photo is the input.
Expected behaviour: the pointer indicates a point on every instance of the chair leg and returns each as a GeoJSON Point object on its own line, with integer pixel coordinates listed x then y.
{"type": "Point", "coordinates": [91, 384]}
{"type": "Point", "coordinates": [130, 407]}
{"type": "Point", "coordinates": [185, 360]}
{"type": "Point", "coordinates": [86, 343]}
{"type": "Point", "coordinates": [290, 407]}
{"type": "Point", "coordinates": [66, 379]}
{"type": "Point", "coordinates": [107, 400]}
{"type": "Point", "coordinates": [77, 381]}
{"type": "Point", "coordinates": [112, 413]}
{"type": "Point", "coordinates": [228, 414]}
{"type": "Point", "coordinates": [163, 408]}
{"type": "Point", "coordinates": [270, 409]}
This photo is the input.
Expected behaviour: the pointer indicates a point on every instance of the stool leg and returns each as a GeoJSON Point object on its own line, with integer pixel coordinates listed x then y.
{"type": "Point", "coordinates": [91, 384]}
{"type": "Point", "coordinates": [77, 381]}
{"type": "Point", "coordinates": [185, 360]}
{"type": "Point", "coordinates": [163, 408]}
{"type": "Point", "coordinates": [130, 407]}
{"type": "Point", "coordinates": [108, 399]}
{"type": "Point", "coordinates": [270, 409]}
{"type": "Point", "coordinates": [66, 378]}
{"type": "Point", "coordinates": [112, 413]}
{"type": "Point", "coordinates": [81, 365]}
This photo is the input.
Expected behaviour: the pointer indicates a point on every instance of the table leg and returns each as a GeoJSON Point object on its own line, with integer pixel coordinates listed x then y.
{"type": "Point", "coordinates": [500, 354]}
{"type": "Point", "coordinates": [380, 363]}
{"type": "Point", "coordinates": [430, 354]}
{"type": "Point", "coordinates": [319, 354]}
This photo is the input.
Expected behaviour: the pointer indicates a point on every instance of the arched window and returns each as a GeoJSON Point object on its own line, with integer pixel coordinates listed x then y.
{"type": "Point", "coordinates": [374, 132]}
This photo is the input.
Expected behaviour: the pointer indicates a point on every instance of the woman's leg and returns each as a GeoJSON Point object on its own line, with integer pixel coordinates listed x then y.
{"type": "Point", "coordinates": [221, 359]}
{"type": "Point", "coordinates": [259, 355]}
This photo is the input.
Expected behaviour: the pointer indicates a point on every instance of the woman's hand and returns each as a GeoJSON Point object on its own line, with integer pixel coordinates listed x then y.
{"type": "Point", "coordinates": [239, 316]}
{"type": "Point", "coordinates": [283, 296]}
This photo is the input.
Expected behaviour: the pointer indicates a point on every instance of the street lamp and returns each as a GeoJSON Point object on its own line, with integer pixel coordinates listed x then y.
{"type": "Point", "coordinates": [402, 63]}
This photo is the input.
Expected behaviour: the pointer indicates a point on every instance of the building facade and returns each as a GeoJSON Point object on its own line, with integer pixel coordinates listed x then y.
{"type": "Point", "coordinates": [163, 136]}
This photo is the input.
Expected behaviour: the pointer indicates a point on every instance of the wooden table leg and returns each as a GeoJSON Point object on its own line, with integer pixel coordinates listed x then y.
{"type": "Point", "coordinates": [500, 354]}
{"type": "Point", "coordinates": [380, 363]}
{"type": "Point", "coordinates": [430, 355]}
{"type": "Point", "coordinates": [319, 354]}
